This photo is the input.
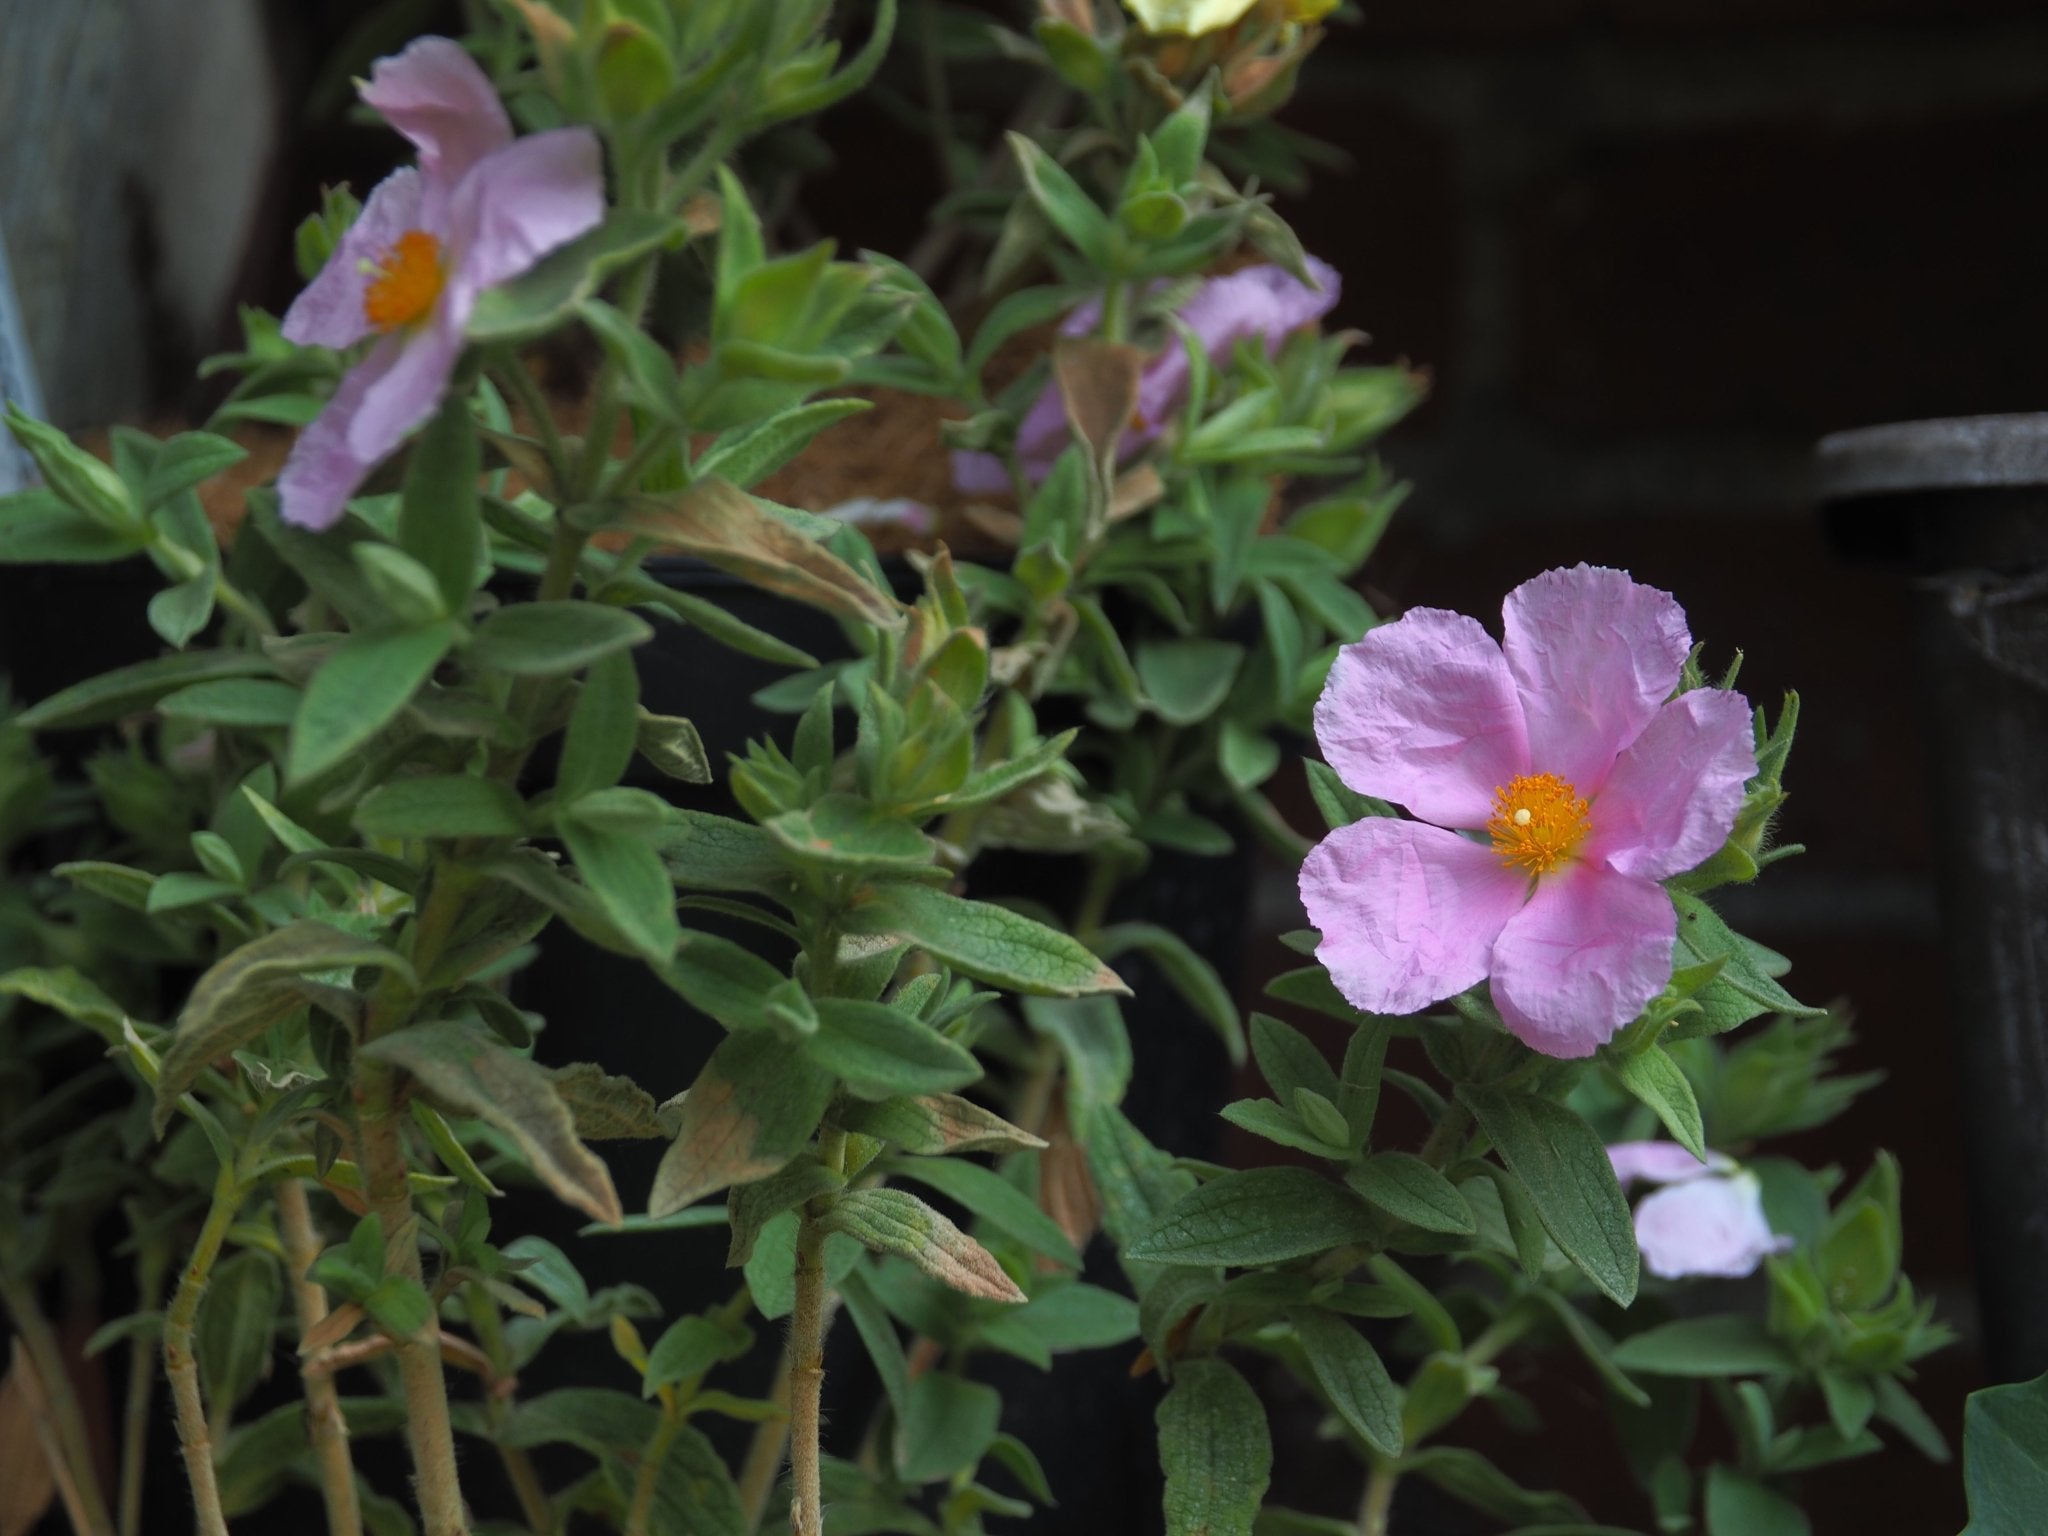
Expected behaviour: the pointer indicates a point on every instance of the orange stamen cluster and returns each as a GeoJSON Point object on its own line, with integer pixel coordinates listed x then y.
{"type": "Point", "coordinates": [1538, 822]}
{"type": "Point", "coordinates": [407, 283]}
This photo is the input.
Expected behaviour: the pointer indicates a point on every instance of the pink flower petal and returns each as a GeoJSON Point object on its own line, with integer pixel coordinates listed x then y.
{"type": "Point", "coordinates": [980, 474]}
{"type": "Point", "coordinates": [1408, 913]}
{"type": "Point", "coordinates": [1423, 712]}
{"type": "Point", "coordinates": [1582, 958]}
{"type": "Point", "coordinates": [405, 390]}
{"type": "Point", "coordinates": [1711, 1227]}
{"type": "Point", "coordinates": [329, 310]}
{"type": "Point", "coordinates": [1594, 654]}
{"type": "Point", "coordinates": [1673, 795]}
{"type": "Point", "coordinates": [322, 470]}
{"type": "Point", "coordinates": [434, 93]}
{"type": "Point", "coordinates": [518, 204]}
{"type": "Point", "coordinates": [1660, 1162]}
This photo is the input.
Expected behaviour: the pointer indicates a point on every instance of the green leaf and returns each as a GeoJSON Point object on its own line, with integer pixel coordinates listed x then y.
{"type": "Point", "coordinates": [81, 481]}
{"type": "Point", "coordinates": [1408, 1189]}
{"type": "Point", "coordinates": [1471, 1478]}
{"type": "Point", "coordinates": [989, 943]}
{"type": "Point", "coordinates": [606, 1107]}
{"type": "Point", "coordinates": [751, 1109]}
{"type": "Point", "coordinates": [1741, 1506]}
{"type": "Point", "coordinates": [997, 1201]}
{"type": "Point", "coordinates": [690, 1347]}
{"type": "Point", "coordinates": [1358, 1089]}
{"type": "Point", "coordinates": [593, 1419]}
{"type": "Point", "coordinates": [1896, 1407]}
{"type": "Point", "coordinates": [1731, 1345]}
{"type": "Point", "coordinates": [671, 744]}
{"type": "Point", "coordinates": [1563, 1164]}
{"type": "Point", "coordinates": [878, 1333]}
{"type": "Point", "coordinates": [1290, 1060]}
{"type": "Point", "coordinates": [602, 730]}
{"type": "Point", "coordinates": [1194, 978]}
{"type": "Point", "coordinates": [879, 1051]}
{"type": "Point", "coordinates": [1260, 1216]}
{"type": "Point", "coordinates": [1063, 1317]}
{"type": "Point", "coordinates": [1097, 1047]}
{"type": "Point", "coordinates": [1215, 1449]}
{"type": "Point", "coordinates": [186, 460]}
{"type": "Point", "coordinates": [400, 1306]}
{"type": "Point", "coordinates": [251, 988]}
{"type": "Point", "coordinates": [746, 457]}
{"type": "Point", "coordinates": [543, 298]}
{"type": "Point", "coordinates": [37, 528]}
{"type": "Point", "coordinates": [1264, 1118]}
{"type": "Point", "coordinates": [441, 805]}
{"type": "Point", "coordinates": [554, 639]}
{"type": "Point", "coordinates": [625, 873]}
{"type": "Point", "coordinates": [438, 521]}
{"type": "Point", "coordinates": [359, 689]}
{"type": "Point", "coordinates": [249, 702]}
{"type": "Point", "coordinates": [849, 834]}
{"type": "Point", "coordinates": [933, 1124]}
{"type": "Point", "coordinates": [1656, 1080]}
{"type": "Point", "coordinates": [1340, 804]}
{"type": "Point", "coordinates": [128, 689]}
{"type": "Point", "coordinates": [1352, 1376]}
{"type": "Point", "coordinates": [892, 1221]}
{"type": "Point", "coordinates": [61, 988]}
{"type": "Point", "coordinates": [237, 1331]}
{"type": "Point", "coordinates": [750, 1207]}
{"type": "Point", "coordinates": [1185, 680]}
{"type": "Point", "coordinates": [1066, 207]}
{"type": "Point", "coordinates": [474, 1074]}
{"type": "Point", "coordinates": [2005, 1458]}
{"type": "Point", "coordinates": [715, 853]}
{"type": "Point", "coordinates": [1704, 936]}
{"type": "Point", "coordinates": [948, 1424]}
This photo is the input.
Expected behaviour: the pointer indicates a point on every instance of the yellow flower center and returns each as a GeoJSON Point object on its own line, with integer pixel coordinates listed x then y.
{"type": "Point", "coordinates": [1538, 822]}
{"type": "Point", "coordinates": [407, 284]}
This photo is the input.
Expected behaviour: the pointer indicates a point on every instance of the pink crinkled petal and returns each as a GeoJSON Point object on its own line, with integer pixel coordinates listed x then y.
{"type": "Point", "coordinates": [1423, 712]}
{"type": "Point", "coordinates": [1673, 796]}
{"type": "Point", "coordinates": [1661, 1162]}
{"type": "Point", "coordinates": [1594, 654]}
{"type": "Point", "coordinates": [323, 470]}
{"type": "Point", "coordinates": [1706, 1228]}
{"type": "Point", "coordinates": [1582, 958]}
{"type": "Point", "coordinates": [435, 94]}
{"type": "Point", "coordinates": [516, 205]}
{"type": "Point", "coordinates": [329, 310]}
{"type": "Point", "coordinates": [1408, 912]}
{"type": "Point", "coordinates": [407, 390]}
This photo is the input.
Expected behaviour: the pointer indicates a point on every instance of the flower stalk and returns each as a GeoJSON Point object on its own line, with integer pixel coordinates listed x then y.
{"type": "Point", "coordinates": [324, 1423]}
{"type": "Point", "coordinates": [181, 1363]}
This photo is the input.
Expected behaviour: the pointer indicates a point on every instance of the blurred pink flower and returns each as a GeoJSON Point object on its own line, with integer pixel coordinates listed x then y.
{"type": "Point", "coordinates": [1707, 1222]}
{"type": "Point", "coordinates": [1590, 782]}
{"type": "Point", "coordinates": [1261, 302]}
{"type": "Point", "coordinates": [480, 209]}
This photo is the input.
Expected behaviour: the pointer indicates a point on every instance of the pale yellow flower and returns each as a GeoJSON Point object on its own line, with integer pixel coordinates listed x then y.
{"type": "Point", "coordinates": [1188, 18]}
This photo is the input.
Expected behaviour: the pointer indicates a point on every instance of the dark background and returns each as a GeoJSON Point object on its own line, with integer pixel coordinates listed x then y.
{"type": "Point", "coordinates": [1649, 250]}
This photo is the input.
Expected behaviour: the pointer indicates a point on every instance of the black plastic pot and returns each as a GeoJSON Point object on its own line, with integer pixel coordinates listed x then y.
{"type": "Point", "coordinates": [1963, 505]}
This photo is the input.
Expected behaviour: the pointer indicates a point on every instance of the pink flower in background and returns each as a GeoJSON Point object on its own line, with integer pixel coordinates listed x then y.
{"type": "Point", "coordinates": [480, 209]}
{"type": "Point", "coordinates": [1263, 302]}
{"type": "Point", "coordinates": [1557, 782]}
{"type": "Point", "coordinates": [1706, 1222]}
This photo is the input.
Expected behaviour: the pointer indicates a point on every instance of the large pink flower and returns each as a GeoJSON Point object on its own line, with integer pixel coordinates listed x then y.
{"type": "Point", "coordinates": [1257, 303]}
{"type": "Point", "coordinates": [481, 208]}
{"type": "Point", "coordinates": [1563, 781]}
{"type": "Point", "coordinates": [1707, 1221]}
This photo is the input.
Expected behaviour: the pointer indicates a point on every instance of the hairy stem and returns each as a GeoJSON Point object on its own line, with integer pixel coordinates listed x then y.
{"type": "Point", "coordinates": [135, 1410]}
{"type": "Point", "coordinates": [324, 1423]}
{"type": "Point", "coordinates": [181, 1364]}
{"type": "Point", "coordinates": [640, 1516]}
{"type": "Point", "coordinates": [1378, 1502]}
{"type": "Point", "coordinates": [807, 1380]}
{"type": "Point", "coordinates": [534, 1503]}
{"type": "Point", "coordinates": [419, 1355]}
